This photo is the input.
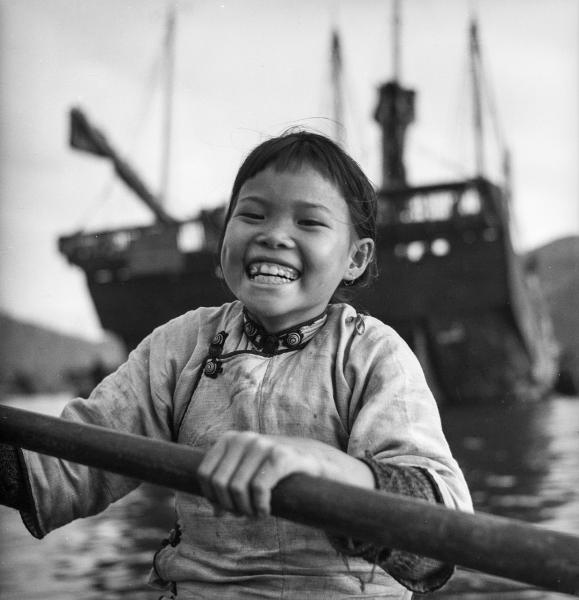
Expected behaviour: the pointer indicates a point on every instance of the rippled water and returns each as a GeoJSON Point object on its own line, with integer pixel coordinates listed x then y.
{"type": "Point", "coordinates": [520, 461]}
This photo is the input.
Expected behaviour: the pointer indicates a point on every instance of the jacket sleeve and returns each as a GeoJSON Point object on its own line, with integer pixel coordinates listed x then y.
{"type": "Point", "coordinates": [395, 427]}
{"type": "Point", "coordinates": [392, 415]}
{"type": "Point", "coordinates": [136, 399]}
{"type": "Point", "coordinates": [12, 478]}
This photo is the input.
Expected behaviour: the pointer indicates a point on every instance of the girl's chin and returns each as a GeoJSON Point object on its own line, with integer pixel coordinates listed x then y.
{"type": "Point", "coordinates": [265, 311]}
{"type": "Point", "coordinates": [269, 292]}
{"type": "Point", "coordinates": [272, 315]}
{"type": "Point", "coordinates": [274, 318]}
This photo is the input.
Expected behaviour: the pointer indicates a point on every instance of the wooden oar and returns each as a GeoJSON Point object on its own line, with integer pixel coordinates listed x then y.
{"type": "Point", "coordinates": [494, 545]}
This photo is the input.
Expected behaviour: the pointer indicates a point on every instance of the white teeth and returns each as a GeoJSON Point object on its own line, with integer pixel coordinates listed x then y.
{"type": "Point", "coordinates": [271, 272]}
{"type": "Point", "coordinates": [272, 280]}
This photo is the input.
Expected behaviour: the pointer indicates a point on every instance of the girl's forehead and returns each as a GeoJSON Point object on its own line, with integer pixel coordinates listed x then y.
{"type": "Point", "coordinates": [303, 182]}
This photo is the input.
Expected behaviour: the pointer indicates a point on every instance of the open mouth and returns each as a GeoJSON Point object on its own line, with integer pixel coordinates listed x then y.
{"type": "Point", "coordinates": [273, 273]}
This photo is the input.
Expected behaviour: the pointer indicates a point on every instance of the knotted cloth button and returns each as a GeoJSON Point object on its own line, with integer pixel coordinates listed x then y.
{"type": "Point", "coordinates": [250, 329]}
{"type": "Point", "coordinates": [294, 339]}
{"type": "Point", "coordinates": [219, 339]}
{"type": "Point", "coordinates": [212, 367]}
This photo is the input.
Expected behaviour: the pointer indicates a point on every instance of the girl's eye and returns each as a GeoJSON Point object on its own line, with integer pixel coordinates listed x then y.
{"type": "Point", "coordinates": [251, 215]}
{"type": "Point", "coordinates": [312, 223]}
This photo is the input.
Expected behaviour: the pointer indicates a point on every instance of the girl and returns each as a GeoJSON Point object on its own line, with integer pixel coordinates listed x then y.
{"type": "Point", "coordinates": [282, 380]}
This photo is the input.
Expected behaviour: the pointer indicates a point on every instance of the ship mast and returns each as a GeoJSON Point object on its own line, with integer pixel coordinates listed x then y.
{"type": "Point", "coordinates": [479, 86]}
{"type": "Point", "coordinates": [475, 69]}
{"type": "Point", "coordinates": [396, 41]}
{"type": "Point", "coordinates": [169, 60]}
{"type": "Point", "coordinates": [395, 111]}
{"type": "Point", "coordinates": [337, 90]}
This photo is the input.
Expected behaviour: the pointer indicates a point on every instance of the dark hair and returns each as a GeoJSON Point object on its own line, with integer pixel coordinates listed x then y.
{"type": "Point", "coordinates": [295, 149]}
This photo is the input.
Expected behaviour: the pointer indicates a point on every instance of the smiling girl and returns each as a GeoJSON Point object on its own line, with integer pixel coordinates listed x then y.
{"type": "Point", "coordinates": [282, 380]}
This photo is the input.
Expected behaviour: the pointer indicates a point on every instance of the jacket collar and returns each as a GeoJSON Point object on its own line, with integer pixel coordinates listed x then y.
{"type": "Point", "coordinates": [292, 338]}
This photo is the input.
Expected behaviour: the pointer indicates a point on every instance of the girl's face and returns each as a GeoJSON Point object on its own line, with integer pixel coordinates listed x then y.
{"type": "Point", "coordinates": [288, 245]}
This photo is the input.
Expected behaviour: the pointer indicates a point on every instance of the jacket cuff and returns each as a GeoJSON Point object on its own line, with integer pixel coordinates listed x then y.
{"type": "Point", "coordinates": [416, 573]}
{"type": "Point", "coordinates": [15, 489]}
{"type": "Point", "coordinates": [12, 485]}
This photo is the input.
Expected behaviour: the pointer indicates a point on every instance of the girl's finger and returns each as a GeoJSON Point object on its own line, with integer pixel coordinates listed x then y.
{"type": "Point", "coordinates": [221, 478]}
{"type": "Point", "coordinates": [207, 467]}
{"type": "Point", "coordinates": [254, 461]}
{"type": "Point", "coordinates": [271, 471]}
{"type": "Point", "coordinates": [229, 455]}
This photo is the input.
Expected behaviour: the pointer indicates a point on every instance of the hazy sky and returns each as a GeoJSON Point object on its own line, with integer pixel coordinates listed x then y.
{"type": "Point", "coordinates": [245, 70]}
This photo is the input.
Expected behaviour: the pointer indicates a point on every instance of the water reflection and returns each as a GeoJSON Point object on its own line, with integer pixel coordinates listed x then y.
{"type": "Point", "coordinates": [520, 462]}
{"type": "Point", "coordinates": [114, 552]}
{"type": "Point", "coordinates": [106, 557]}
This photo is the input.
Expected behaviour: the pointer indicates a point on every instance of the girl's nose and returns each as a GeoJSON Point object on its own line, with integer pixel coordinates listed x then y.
{"type": "Point", "coordinates": [276, 236]}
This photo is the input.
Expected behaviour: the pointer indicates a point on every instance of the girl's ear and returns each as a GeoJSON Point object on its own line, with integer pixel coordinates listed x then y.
{"type": "Point", "coordinates": [361, 253]}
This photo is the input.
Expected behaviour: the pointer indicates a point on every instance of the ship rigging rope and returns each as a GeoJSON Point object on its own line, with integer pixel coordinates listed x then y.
{"type": "Point", "coordinates": [352, 128]}
{"type": "Point", "coordinates": [486, 88]}
{"type": "Point", "coordinates": [104, 196]}
{"type": "Point", "coordinates": [493, 113]}
{"type": "Point", "coordinates": [459, 118]}
{"type": "Point", "coordinates": [453, 166]}
{"type": "Point", "coordinates": [357, 138]}
{"type": "Point", "coordinates": [454, 131]}
{"type": "Point", "coordinates": [458, 128]}
{"type": "Point", "coordinates": [488, 102]}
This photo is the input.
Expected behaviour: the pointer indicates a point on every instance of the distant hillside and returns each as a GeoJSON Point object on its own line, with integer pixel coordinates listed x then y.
{"type": "Point", "coordinates": [37, 359]}
{"type": "Point", "coordinates": [557, 265]}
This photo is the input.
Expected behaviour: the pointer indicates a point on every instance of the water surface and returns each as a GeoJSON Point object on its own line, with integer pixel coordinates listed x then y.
{"type": "Point", "coordinates": [520, 462]}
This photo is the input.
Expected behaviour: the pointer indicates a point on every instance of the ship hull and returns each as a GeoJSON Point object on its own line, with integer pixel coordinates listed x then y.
{"type": "Point", "coordinates": [475, 343]}
{"type": "Point", "coordinates": [131, 308]}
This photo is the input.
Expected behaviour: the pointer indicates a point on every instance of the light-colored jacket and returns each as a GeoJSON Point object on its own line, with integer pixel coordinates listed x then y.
{"type": "Point", "coordinates": [359, 389]}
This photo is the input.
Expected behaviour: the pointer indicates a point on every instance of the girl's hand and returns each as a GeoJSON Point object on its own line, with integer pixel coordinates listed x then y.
{"type": "Point", "coordinates": [240, 470]}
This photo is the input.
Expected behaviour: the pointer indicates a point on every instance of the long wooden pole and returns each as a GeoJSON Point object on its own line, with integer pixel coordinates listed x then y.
{"type": "Point", "coordinates": [494, 545]}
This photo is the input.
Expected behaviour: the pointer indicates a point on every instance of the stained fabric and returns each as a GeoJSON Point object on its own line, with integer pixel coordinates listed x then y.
{"type": "Point", "coordinates": [357, 388]}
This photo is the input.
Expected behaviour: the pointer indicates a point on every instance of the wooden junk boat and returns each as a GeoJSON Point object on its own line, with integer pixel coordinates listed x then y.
{"type": "Point", "coordinates": [451, 282]}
